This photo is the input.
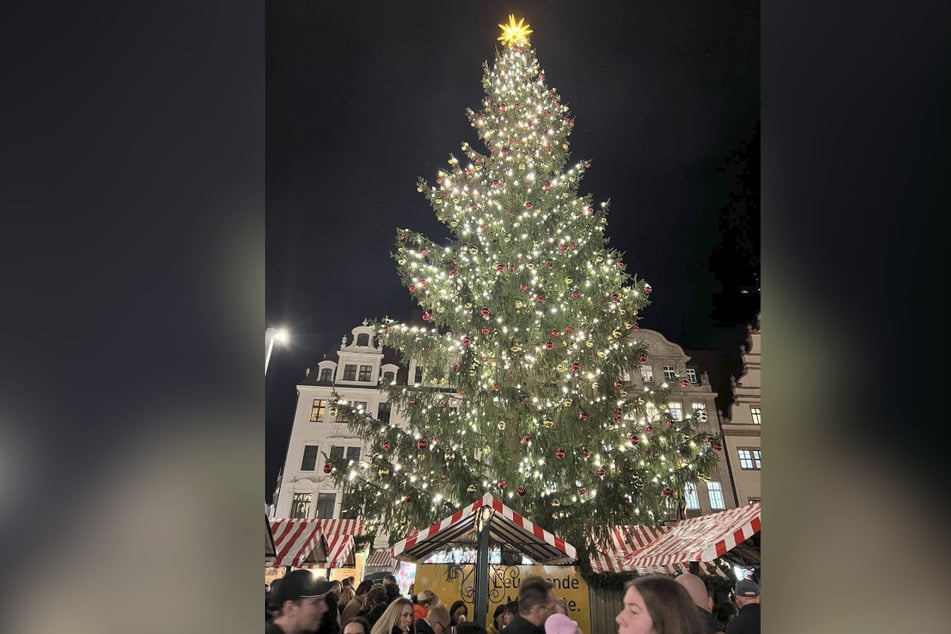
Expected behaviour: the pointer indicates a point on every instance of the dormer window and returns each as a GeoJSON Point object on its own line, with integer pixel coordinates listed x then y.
{"type": "Point", "coordinates": [363, 340]}
{"type": "Point", "coordinates": [326, 374]}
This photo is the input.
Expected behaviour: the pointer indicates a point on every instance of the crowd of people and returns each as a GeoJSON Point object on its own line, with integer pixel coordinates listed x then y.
{"type": "Point", "coordinates": [301, 603]}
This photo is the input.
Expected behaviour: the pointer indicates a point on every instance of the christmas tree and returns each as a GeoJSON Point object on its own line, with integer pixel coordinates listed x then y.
{"type": "Point", "coordinates": [529, 342]}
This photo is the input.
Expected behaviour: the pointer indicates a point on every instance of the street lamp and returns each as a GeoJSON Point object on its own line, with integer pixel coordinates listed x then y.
{"type": "Point", "coordinates": [270, 335]}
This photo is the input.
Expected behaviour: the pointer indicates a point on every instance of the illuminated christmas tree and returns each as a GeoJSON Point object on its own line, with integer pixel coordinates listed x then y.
{"type": "Point", "coordinates": [529, 343]}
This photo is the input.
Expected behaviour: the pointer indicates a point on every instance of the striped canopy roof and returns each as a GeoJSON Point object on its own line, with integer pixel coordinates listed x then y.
{"type": "Point", "coordinates": [304, 543]}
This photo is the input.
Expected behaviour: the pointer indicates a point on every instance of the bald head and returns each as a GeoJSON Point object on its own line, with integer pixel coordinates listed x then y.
{"type": "Point", "coordinates": [696, 589]}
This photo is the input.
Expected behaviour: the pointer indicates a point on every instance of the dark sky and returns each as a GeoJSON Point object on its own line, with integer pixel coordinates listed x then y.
{"type": "Point", "coordinates": [364, 98]}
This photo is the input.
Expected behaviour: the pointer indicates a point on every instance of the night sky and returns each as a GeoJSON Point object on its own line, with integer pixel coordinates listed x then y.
{"type": "Point", "coordinates": [364, 98]}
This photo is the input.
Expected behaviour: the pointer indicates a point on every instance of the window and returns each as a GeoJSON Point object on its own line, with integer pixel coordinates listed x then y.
{"type": "Point", "coordinates": [300, 506]}
{"type": "Point", "coordinates": [326, 374]}
{"type": "Point", "coordinates": [676, 411]}
{"type": "Point", "coordinates": [419, 374]}
{"type": "Point", "coordinates": [348, 508]}
{"type": "Point", "coordinates": [715, 491]}
{"type": "Point", "coordinates": [668, 373]}
{"type": "Point", "coordinates": [317, 410]}
{"type": "Point", "coordinates": [360, 406]}
{"type": "Point", "coordinates": [383, 413]}
{"type": "Point", "coordinates": [336, 451]}
{"type": "Point", "coordinates": [699, 411]}
{"type": "Point", "coordinates": [389, 377]}
{"type": "Point", "coordinates": [363, 340]}
{"type": "Point", "coordinates": [350, 372]}
{"type": "Point", "coordinates": [750, 459]}
{"type": "Point", "coordinates": [692, 499]}
{"type": "Point", "coordinates": [365, 371]}
{"type": "Point", "coordinates": [754, 411]}
{"type": "Point", "coordinates": [325, 505]}
{"type": "Point", "coordinates": [309, 463]}
{"type": "Point", "coordinates": [353, 453]}
{"type": "Point", "coordinates": [692, 376]}
{"type": "Point", "coordinates": [647, 373]}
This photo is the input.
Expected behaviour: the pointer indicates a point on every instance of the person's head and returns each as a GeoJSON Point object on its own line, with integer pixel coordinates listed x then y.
{"type": "Point", "coordinates": [747, 592]}
{"type": "Point", "coordinates": [438, 619]}
{"type": "Point", "coordinates": [388, 579]}
{"type": "Point", "coordinates": [536, 600]}
{"type": "Point", "coordinates": [300, 601]}
{"type": "Point", "coordinates": [427, 599]}
{"type": "Point", "coordinates": [656, 604]}
{"type": "Point", "coordinates": [336, 588]}
{"type": "Point", "coordinates": [498, 617]}
{"type": "Point", "coordinates": [356, 625]}
{"type": "Point", "coordinates": [458, 612]}
{"type": "Point", "coordinates": [364, 587]}
{"type": "Point", "coordinates": [375, 596]}
{"type": "Point", "coordinates": [697, 590]}
{"type": "Point", "coordinates": [398, 614]}
{"type": "Point", "coordinates": [511, 609]}
{"type": "Point", "coordinates": [561, 606]}
{"type": "Point", "coordinates": [559, 623]}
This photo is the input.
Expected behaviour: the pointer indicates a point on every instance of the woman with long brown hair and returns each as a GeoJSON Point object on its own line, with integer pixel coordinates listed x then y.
{"type": "Point", "coordinates": [656, 604]}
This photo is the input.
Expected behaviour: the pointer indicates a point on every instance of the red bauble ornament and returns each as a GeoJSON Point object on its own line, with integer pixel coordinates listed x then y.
{"type": "Point", "coordinates": [590, 210]}
{"type": "Point", "coordinates": [412, 288]}
{"type": "Point", "coordinates": [620, 265]}
{"type": "Point", "coordinates": [560, 453]}
{"type": "Point", "coordinates": [495, 386]}
{"type": "Point", "coordinates": [522, 287]}
{"type": "Point", "coordinates": [575, 367]}
{"type": "Point", "coordinates": [587, 164]}
{"type": "Point", "coordinates": [528, 205]}
{"type": "Point", "coordinates": [576, 294]}
{"type": "Point", "coordinates": [426, 316]}
{"type": "Point", "coordinates": [496, 183]}
{"type": "Point", "coordinates": [424, 253]}
{"type": "Point", "coordinates": [485, 331]}
{"type": "Point", "coordinates": [442, 404]}
{"type": "Point", "coordinates": [539, 299]}
{"type": "Point", "coordinates": [412, 401]}
{"type": "Point", "coordinates": [546, 186]}
{"type": "Point", "coordinates": [667, 491]}
{"type": "Point", "coordinates": [548, 345]}
{"type": "Point", "coordinates": [548, 265]}
{"type": "Point", "coordinates": [554, 332]}
{"type": "Point", "coordinates": [466, 341]}
{"type": "Point", "coordinates": [402, 237]}
{"type": "Point", "coordinates": [670, 423]}
{"type": "Point", "coordinates": [642, 359]}
{"type": "Point", "coordinates": [582, 416]}
{"type": "Point", "coordinates": [718, 446]}
{"type": "Point", "coordinates": [422, 444]}
{"type": "Point", "coordinates": [569, 330]}
{"type": "Point", "coordinates": [582, 491]}
{"type": "Point", "coordinates": [422, 282]}
{"type": "Point", "coordinates": [328, 468]}
{"type": "Point", "coordinates": [635, 327]}
{"type": "Point", "coordinates": [386, 445]}
{"type": "Point", "coordinates": [563, 248]}
{"type": "Point", "coordinates": [618, 385]}
{"type": "Point", "coordinates": [614, 297]}
{"type": "Point", "coordinates": [585, 454]}
{"type": "Point", "coordinates": [457, 367]}
{"type": "Point", "coordinates": [484, 312]}
{"type": "Point", "coordinates": [527, 438]}
{"type": "Point", "coordinates": [499, 268]}
{"type": "Point", "coordinates": [452, 272]}
{"type": "Point", "coordinates": [511, 268]}
{"type": "Point", "coordinates": [502, 484]}
{"type": "Point", "coordinates": [648, 430]}
{"type": "Point", "coordinates": [618, 411]}
{"type": "Point", "coordinates": [633, 440]}
{"type": "Point", "coordinates": [599, 472]}
{"type": "Point", "coordinates": [520, 490]}
{"type": "Point", "coordinates": [647, 289]}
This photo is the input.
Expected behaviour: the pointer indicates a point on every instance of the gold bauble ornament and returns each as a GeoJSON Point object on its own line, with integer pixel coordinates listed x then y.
{"type": "Point", "coordinates": [547, 423]}
{"type": "Point", "coordinates": [440, 309]}
{"type": "Point", "coordinates": [518, 304]}
{"type": "Point", "coordinates": [529, 266]}
{"type": "Point", "coordinates": [566, 403]}
{"type": "Point", "coordinates": [555, 503]}
{"type": "Point", "coordinates": [382, 472]}
{"type": "Point", "coordinates": [486, 450]}
{"type": "Point", "coordinates": [453, 223]}
{"type": "Point", "coordinates": [401, 261]}
{"type": "Point", "coordinates": [473, 250]}
{"type": "Point", "coordinates": [569, 281]}
{"type": "Point", "coordinates": [471, 489]}
{"type": "Point", "coordinates": [450, 456]}
{"type": "Point", "coordinates": [501, 425]}
{"type": "Point", "coordinates": [468, 305]}
{"type": "Point", "coordinates": [588, 344]}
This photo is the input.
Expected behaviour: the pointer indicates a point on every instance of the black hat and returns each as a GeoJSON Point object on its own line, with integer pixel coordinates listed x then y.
{"type": "Point", "coordinates": [300, 584]}
{"type": "Point", "coordinates": [747, 588]}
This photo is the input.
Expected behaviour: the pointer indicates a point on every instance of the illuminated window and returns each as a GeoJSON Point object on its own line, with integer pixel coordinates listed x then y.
{"type": "Point", "coordinates": [750, 459]}
{"type": "Point", "coordinates": [326, 374]}
{"type": "Point", "coordinates": [669, 373]}
{"type": "Point", "coordinates": [692, 376]}
{"type": "Point", "coordinates": [325, 505]}
{"type": "Point", "coordinates": [300, 506]}
{"type": "Point", "coordinates": [317, 410]}
{"type": "Point", "coordinates": [647, 373]}
{"type": "Point", "coordinates": [715, 491]}
{"type": "Point", "coordinates": [699, 411]}
{"type": "Point", "coordinates": [360, 406]}
{"type": "Point", "coordinates": [365, 371]}
{"type": "Point", "coordinates": [676, 411]}
{"type": "Point", "coordinates": [309, 463]}
{"type": "Point", "coordinates": [350, 372]}
{"type": "Point", "coordinates": [691, 497]}
{"type": "Point", "coordinates": [755, 412]}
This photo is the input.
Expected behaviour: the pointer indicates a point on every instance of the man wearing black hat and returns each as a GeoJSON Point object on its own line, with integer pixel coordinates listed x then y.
{"type": "Point", "coordinates": [747, 599]}
{"type": "Point", "coordinates": [299, 603]}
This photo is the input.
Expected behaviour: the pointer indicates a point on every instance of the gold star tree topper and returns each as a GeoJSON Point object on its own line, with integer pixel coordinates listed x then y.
{"type": "Point", "coordinates": [515, 33]}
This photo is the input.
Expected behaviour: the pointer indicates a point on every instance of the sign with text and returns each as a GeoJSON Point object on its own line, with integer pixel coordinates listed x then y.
{"type": "Point", "coordinates": [451, 582]}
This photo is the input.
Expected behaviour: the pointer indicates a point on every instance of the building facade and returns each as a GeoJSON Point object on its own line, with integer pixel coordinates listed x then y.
{"type": "Point", "coordinates": [741, 428]}
{"type": "Point", "coordinates": [306, 489]}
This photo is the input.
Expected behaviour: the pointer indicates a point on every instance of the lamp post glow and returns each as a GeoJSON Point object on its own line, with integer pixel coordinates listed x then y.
{"type": "Point", "coordinates": [270, 334]}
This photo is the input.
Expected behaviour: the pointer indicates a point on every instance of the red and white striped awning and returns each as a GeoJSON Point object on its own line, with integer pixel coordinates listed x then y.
{"type": "Point", "coordinates": [312, 542]}
{"type": "Point", "coordinates": [626, 541]}
{"type": "Point", "coordinates": [505, 527]}
{"type": "Point", "coordinates": [381, 559]}
{"type": "Point", "coordinates": [703, 538]}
